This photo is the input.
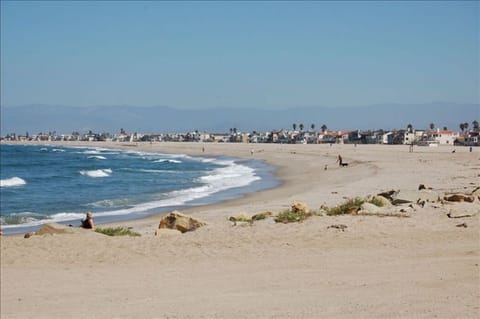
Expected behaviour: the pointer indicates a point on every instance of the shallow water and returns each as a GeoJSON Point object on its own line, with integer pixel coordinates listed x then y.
{"type": "Point", "coordinates": [41, 184]}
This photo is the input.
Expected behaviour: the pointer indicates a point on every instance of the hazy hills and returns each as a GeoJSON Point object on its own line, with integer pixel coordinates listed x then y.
{"type": "Point", "coordinates": [162, 119]}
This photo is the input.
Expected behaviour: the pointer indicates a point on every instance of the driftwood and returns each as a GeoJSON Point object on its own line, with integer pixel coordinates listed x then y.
{"type": "Point", "coordinates": [449, 215]}
{"type": "Point", "coordinates": [338, 226]}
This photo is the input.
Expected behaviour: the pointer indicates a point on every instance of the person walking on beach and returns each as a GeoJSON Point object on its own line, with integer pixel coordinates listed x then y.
{"type": "Point", "coordinates": [88, 223]}
{"type": "Point", "coordinates": [339, 160]}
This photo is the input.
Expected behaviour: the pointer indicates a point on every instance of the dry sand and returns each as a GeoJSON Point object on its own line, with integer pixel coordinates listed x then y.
{"type": "Point", "coordinates": [418, 267]}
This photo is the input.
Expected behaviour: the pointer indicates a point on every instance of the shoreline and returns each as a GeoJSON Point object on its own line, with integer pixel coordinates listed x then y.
{"type": "Point", "coordinates": [265, 172]}
{"type": "Point", "coordinates": [284, 170]}
{"type": "Point", "coordinates": [423, 266]}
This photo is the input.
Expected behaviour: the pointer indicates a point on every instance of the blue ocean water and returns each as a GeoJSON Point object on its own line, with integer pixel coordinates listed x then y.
{"type": "Point", "coordinates": [40, 184]}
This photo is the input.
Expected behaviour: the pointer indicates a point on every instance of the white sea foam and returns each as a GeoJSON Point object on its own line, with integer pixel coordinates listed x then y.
{"type": "Point", "coordinates": [110, 203]}
{"type": "Point", "coordinates": [59, 150]}
{"type": "Point", "coordinates": [99, 157]}
{"type": "Point", "coordinates": [168, 161]}
{"type": "Point", "coordinates": [94, 151]}
{"type": "Point", "coordinates": [231, 176]}
{"type": "Point", "coordinates": [11, 182]}
{"type": "Point", "coordinates": [97, 173]}
{"type": "Point", "coordinates": [20, 218]}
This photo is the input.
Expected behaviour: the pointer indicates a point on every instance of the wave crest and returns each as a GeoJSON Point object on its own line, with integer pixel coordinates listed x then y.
{"type": "Point", "coordinates": [168, 161]}
{"type": "Point", "coordinates": [97, 173]}
{"type": "Point", "coordinates": [11, 182]}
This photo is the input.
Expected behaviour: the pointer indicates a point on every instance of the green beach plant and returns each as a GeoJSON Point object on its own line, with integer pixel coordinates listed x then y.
{"type": "Point", "coordinates": [376, 201]}
{"type": "Point", "coordinates": [117, 231]}
{"type": "Point", "coordinates": [297, 213]}
{"type": "Point", "coordinates": [351, 206]}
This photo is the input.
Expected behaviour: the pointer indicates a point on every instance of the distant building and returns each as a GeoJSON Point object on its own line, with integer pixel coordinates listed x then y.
{"type": "Point", "coordinates": [442, 137]}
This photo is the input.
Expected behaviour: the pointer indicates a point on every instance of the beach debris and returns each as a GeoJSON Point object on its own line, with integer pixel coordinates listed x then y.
{"type": "Point", "coordinates": [399, 201]}
{"type": "Point", "coordinates": [459, 198]}
{"type": "Point", "coordinates": [387, 194]}
{"type": "Point", "coordinates": [422, 186]}
{"type": "Point", "coordinates": [338, 226]}
{"type": "Point", "coordinates": [462, 225]}
{"type": "Point", "coordinates": [369, 209]}
{"type": "Point", "coordinates": [180, 222]}
{"type": "Point", "coordinates": [451, 214]}
{"type": "Point", "coordinates": [414, 196]}
{"type": "Point", "coordinates": [28, 235]}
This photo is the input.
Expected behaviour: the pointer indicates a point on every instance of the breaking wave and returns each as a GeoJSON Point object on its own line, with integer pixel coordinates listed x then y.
{"type": "Point", "coordinates": [99, 157]}
{"type": "Point", "coordinates": [12, 182]}
{"type": "Point", "coordinates": [168, 161]}
{"type": "Point", "coordinates": [97, 173]}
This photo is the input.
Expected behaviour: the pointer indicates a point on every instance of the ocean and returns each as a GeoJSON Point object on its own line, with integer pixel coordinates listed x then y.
{"type": "Point", "coordinates": [43, 183]}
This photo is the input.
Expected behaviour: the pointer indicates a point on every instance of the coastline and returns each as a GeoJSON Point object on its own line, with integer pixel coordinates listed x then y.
{"type": "Point", "coordinates": [232, 189]}
{"type": "Point", "coordinates": [423, 266]}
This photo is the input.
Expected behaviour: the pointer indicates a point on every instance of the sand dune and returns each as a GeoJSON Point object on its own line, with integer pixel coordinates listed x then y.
{"type": "Point", "coordinates": [423, 266]}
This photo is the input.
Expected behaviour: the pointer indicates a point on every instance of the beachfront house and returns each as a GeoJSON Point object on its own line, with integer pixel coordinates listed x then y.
{"type": "Point", "coordinates": [412, 136]}
{"type": "Point", "coordinates": [441, 137]}
{"type": "Point", "coordinates": [471, 138]}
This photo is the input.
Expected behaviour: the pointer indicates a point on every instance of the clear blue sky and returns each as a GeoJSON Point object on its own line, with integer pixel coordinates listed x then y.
{"type": "Point", "coordinates": [238, 54]}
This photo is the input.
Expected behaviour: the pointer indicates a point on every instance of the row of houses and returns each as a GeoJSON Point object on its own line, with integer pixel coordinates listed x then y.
{"type": "Point", "coordinates": [408, 136]}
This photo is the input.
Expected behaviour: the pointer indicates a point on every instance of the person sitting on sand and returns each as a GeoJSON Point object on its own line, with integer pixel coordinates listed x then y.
{"type": "Point", "coordinates": [88, 223]}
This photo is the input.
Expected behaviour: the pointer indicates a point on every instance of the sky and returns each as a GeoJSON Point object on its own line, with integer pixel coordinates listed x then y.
{"type": "Point", "coordinates": [236, 54]}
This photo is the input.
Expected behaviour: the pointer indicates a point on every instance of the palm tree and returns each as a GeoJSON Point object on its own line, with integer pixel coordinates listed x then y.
{"type": "Point", "coordinates": [465, 125]}
{"type": "Point", "coordinates": [324, 128]}
{"type": "Point", "coordinates": [301, 126]}
{"type": "Point", "coordinates": [462, 127]}
{"type": "Point", "coordinates": [312, 127]}
{"type": "Point", "coordinates": [294, 125]}
{"type": "Point", "coordinates": [409, 127]}
{"type": "Point", "coordinates": [445, 128]}
{"type": "Point", "coordinates": [432, 126]}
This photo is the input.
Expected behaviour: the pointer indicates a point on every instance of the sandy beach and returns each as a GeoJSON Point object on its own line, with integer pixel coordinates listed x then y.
{"type": "Point", "coordinates": [421, 266]}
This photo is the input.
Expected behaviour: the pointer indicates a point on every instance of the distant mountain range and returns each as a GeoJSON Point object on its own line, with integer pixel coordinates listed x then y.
{"type": "Point", "coordinates": [161, 119]}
